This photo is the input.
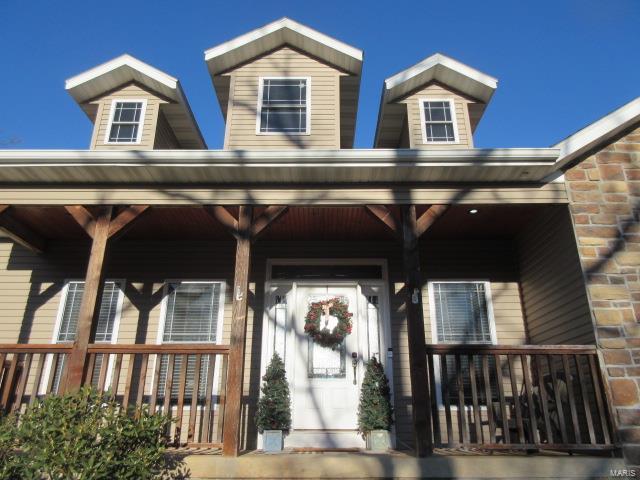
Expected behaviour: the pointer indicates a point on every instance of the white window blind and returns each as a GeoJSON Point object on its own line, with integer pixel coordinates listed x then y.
{"type": "Point", "coordinates": [191, 316]}
{"type": "Point", "coordinates": [461, 312]}
{"type": "Point", "coordinates": [69, 319]}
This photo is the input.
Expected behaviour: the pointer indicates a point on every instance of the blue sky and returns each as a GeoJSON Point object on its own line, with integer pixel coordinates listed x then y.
{"type": "Point", "coordinates": [560, 64]}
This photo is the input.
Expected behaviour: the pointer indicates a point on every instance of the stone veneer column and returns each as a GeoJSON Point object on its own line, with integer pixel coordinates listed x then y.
{"type": "Point", "coordinates": [604, 191]}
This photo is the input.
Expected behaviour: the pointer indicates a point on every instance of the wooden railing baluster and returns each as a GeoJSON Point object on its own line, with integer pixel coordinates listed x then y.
{"type": "Point", "coordinates": [533, 421]}
{"type": "Point", "coordinates": [193, 409]}
{"type": "Point", "coordinates": [462, 424]}
{"type": "Point", "coordinates": [488, 399]}
{"type": "Point", "coordinates": [141, 382]}
{"type": "Point", "coordinates": [444, 384]}
{"type": "Point", "coordinates": [515, 396]}
{"type": "Point", "coordinates": [435, 411]}
{"type": "Point", "coordinates": [102, 376]}
{"type": "Point", "coordinates": [181, 393]}
{"type": "Point", "coordinates": [156, 383]}
{"type": "Point", "coordinates": [474, 398]}
{"type": "Point", "coordinates": [503, 404]}
{"type": "Point", "coordinates": [599, 399]}
{"type": "Point", "coordinates": [208, 393]}
{"type": "Point", "coordinates": [572, 401]}
{"type": "Point", "coordinates": [585, 400]}
{"type": "Point", "coordinates": [38, 377]}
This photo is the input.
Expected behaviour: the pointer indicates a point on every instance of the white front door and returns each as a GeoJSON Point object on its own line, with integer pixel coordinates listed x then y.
{"type": "Point", "coordinates": [326, 385]}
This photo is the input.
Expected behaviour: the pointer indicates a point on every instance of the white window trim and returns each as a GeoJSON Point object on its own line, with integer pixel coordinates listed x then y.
{"type": "Point", "coordinates": [259, 108]}
{"type": "Point", "coordinates": [112, 113]}
{"type": "Point", "coordinates": [434, 328]}
{"type": "Point", "coordinates": [58, 324]}
{"type": "Point", "coordinates": [219, 327]}
{"type": "Point", "coordinates": [423, 121]}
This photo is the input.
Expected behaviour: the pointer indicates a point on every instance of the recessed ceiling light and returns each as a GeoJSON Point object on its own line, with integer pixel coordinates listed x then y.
{"type": "Point", "coordinates": [473, 211]}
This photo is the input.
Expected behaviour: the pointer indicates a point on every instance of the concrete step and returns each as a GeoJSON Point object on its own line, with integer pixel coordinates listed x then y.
{"type": "Point", "coordinates": [369, 466]}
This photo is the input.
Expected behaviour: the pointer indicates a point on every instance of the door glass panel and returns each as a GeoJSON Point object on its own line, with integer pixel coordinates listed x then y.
{"type": "Point", "coordinates": [324, 362]}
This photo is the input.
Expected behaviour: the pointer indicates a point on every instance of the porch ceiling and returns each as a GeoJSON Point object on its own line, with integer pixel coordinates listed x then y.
{"type": "Point", "coordinates": [299, 223]}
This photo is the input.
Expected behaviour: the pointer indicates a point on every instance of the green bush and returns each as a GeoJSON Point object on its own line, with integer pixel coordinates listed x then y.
{"type": "Point", "coordinates": [9, 467]}
{"type": "Point", "coordinates": [375, 411]}
{"type": "Point", "coordinates": [85, 436]}
{"type": "Point", "coordinates": [274, 406]}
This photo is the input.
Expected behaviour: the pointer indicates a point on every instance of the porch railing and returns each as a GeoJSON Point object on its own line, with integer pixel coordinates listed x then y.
{"type": "Point", "coordinates": [518, 398]}
{"type": "Point", "coordinates": [185, 381]}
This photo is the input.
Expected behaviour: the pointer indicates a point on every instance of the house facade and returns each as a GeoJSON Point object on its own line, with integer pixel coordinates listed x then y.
{"type": "Point", "coordinates": [499, 288]}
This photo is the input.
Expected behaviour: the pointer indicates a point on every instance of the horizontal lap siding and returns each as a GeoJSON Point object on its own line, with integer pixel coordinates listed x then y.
{"type": "Point", "coordinates": [413, 101]}
{"type": "Point", "coordinates": [554, 295]}
{"type": "Point", "coordinates": [325, 99]}
{"type": "Point", "coordinates": [131, 91]}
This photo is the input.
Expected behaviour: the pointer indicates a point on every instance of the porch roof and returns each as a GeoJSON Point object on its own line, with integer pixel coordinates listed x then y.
{"type": "Point", "coordinates": [520, 165]}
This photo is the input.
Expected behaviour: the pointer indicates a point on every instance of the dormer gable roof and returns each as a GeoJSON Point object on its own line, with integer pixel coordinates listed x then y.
{"type": "Point", "coordinates": [436, 68]}
{"type": "Point", "coordinates": [284, 31]}
{"type": "Point", "coordinates": [125, 69]}
{"type": "Point", "coordinates": [223, 59]}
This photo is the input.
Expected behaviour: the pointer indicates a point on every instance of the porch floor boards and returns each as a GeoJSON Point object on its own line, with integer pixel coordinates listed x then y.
{"type": "Point", "coordinates": [444, 464]}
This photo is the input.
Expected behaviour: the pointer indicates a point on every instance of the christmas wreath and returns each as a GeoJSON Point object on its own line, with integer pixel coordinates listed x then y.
{"type": "Point", "coordinates": [318, 316]}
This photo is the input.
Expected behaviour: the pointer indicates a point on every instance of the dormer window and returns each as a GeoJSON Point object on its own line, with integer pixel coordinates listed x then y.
{"type": "Point", "coordinates": [127, 118]}
{"type": "Point", "coordinates": [283, 106]}
{"type": "Point", "coordinates": [438, 121]}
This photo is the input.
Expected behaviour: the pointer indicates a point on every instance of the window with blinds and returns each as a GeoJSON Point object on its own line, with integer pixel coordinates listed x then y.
{"type": "Point", "coordinates": [462, 316]}
{"type": "Point", "coordinates": [461, 312]}
{"type": "Point", "coordinates": [192, 315]}
{"type": "Point", "coordinates": [69, 320]}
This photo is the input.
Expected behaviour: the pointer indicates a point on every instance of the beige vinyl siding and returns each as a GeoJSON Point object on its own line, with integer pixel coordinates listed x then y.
{"type": "Point", "coordinates": [436, 91]}
{"type": "Point", "coordinates": [285, 62]}
{"type": "Point", "coordinates": [553, 291]}
{"type": "Point", "coordinates": [130, 91]}
{"type": "Point", "coordinates": [164, 138]}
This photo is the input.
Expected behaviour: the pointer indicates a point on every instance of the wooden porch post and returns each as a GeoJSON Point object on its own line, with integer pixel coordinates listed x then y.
{"type": "Point", "coordinates": [90, 305]}
{"type": "Point", "coordinates": [235, 373]}
{"type": "Point", "coordinates": [415, 331]}
{"type": "Point", "coordinates": [408, 230]}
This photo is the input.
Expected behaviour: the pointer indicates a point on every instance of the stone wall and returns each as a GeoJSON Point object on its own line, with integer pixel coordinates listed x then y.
{"type": "Point", "coordinates": [604, 191]}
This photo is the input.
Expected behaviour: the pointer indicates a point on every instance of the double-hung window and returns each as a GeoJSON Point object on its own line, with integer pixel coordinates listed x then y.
{"type": "Point", "coordinates": [192, 314]}
{"type": "Point", "coordinates": [283, 105]}
{"type": "Point", "coordinates": [67, 324]}
{"type": "Point", "coordinates": [127, 119]}
{"type": "Point", "coordinates": [461, 312]}
{"type": "Point", "coordinates": [438, 121]}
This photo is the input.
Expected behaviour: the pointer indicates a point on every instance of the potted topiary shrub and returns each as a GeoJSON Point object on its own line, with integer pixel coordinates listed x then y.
{"type": "Point", "coordinates": [273, 417]}
{"type": "Point", "coordinates": [375, 414]}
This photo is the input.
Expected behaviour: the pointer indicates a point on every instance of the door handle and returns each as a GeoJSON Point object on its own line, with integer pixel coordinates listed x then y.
{"type": "Point", "coordinates": [354, 363]}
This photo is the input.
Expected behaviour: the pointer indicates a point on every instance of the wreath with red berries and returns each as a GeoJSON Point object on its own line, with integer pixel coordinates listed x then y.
{"type": "Point", "coordinates": [322, 335]}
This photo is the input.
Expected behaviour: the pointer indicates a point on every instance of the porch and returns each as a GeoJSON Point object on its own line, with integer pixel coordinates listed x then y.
{"type": "Point", "coordinates": [527, 391]}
